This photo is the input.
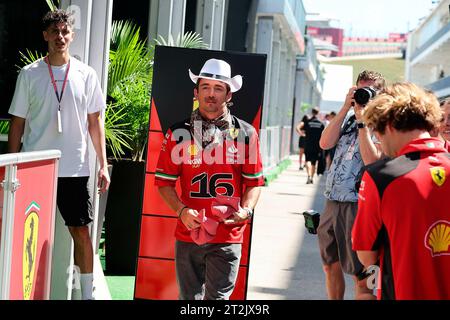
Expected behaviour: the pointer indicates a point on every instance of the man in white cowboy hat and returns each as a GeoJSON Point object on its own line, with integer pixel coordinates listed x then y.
{"type": "Point", "coordinates": [220, 176]}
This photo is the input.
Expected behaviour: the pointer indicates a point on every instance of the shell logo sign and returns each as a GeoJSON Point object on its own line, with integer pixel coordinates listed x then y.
{"type": "Point", "coordinates": [437, 238]}
{"type": "Point", "coordinates": [30, 239]}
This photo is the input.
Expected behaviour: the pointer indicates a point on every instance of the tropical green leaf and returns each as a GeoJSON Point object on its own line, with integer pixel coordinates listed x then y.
{"type": "Point", "coordinates": [129, 58]}
{"type": "Point", "coordinates": [28, 58]}
{"type": "Point", "coordinates": [52, 5]}
{"type": "Point", "coordinates": [116, 133]}
{"type": "Point", "coordinates": [187, 40]}
{"type": "Point", "coordinates": [4, 126]}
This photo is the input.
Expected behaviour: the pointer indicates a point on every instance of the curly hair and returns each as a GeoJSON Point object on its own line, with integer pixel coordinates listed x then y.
{"type": "Point", "coordinates": [57, 16]}
{"type": "Point", "coordinates": [377, 77]}
{"type": "Point", "coordinates": [405, 107]}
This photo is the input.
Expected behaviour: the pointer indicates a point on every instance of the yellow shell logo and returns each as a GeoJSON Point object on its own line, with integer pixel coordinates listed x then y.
{"type": "Point", "coordinates": [437, 238]}
{"type": "Point", "coordinates": [438, 175]}
{"type": "Point", "coordinates": [30, 239]}
{"type": "Point", "coordinates": [192, 150]}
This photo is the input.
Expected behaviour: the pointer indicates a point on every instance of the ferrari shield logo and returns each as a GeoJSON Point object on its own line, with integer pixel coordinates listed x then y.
{"type": "Point", "coordinates": [30, 239]}
{"type": "Point", "coordinates": [234, 133]}
{"type": "Point", "coordinates": [438, 175]}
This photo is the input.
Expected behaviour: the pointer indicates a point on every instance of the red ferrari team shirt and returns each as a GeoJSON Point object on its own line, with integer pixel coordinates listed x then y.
{"type": "Point", "coordinates": [403, 212]}
{"type": "Point", "coordinates": [224, 169]}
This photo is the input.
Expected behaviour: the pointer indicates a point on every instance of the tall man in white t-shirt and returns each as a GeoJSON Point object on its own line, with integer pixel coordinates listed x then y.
{"type": "Point", "coordinates": [57, 102]}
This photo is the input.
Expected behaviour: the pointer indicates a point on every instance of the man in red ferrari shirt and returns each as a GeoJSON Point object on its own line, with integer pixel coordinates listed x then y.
{"type": "Point", "coordinates": [216, 157]}
{"type": "Point", "coordinates": [403, 221]}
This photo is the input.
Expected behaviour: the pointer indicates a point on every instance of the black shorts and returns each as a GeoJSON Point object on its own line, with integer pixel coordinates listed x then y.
{"type": "Point", "coordinates": [313, 155]}
{"type": "Point", "coordinates": [73, 201]}
{"type": "Point", "coordinates": [301, 142]}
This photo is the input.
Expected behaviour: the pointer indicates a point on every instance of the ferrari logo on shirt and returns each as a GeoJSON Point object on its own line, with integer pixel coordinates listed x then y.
{"type": "Point", "coordinates": [437, 238]}
{"type": "Point", "coordinates": [234, 133]}
{"type": "Point", "coordinates": [438, 175]}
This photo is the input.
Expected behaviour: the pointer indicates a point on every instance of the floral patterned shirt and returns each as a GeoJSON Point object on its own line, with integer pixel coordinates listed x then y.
{"type": "Point", "coordinates": [346, 168]}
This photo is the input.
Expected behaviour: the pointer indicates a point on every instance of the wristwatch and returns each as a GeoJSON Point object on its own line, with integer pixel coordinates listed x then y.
{"type": "Point", "coordinates": [249, 212]}
{"type": "Point", "coordinates": [360, 125]}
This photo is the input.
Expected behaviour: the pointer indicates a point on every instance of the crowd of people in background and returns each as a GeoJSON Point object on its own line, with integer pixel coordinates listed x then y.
{"type": "Point", "coordinates": [311, 155]}
{"type": "Point", "coordinates": [388, 164]}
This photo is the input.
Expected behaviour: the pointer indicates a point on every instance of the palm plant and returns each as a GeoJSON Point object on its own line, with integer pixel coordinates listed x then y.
{"type": "Point", "coordinates": [187, 40]}
{"type": "Point", "coordinates": [52, 5]}
{"type": "Point", "coordinates": [129, 83]}
{"type": "Point", "coordinates": [29, 57]}
{"type": "Point", "coordinates": [116, 133]}
{"type": "Point", "coordinates": [129, 57]}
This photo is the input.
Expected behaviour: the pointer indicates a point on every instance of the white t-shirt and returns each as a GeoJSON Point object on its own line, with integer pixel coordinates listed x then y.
{"type": "Point", "coordinates": [35, 100]}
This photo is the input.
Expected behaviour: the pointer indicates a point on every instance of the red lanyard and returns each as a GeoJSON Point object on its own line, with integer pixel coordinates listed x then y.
{"type": "Point", "coordinates": [58, 97]}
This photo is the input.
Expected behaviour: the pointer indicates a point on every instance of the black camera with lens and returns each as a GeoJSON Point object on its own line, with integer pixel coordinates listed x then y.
{"type": "Point", "coordinates": [363, 95]}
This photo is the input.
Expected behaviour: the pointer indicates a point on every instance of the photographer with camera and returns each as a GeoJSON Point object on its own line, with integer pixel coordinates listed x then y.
{"type": "Point", "coordinates": [354, 149]}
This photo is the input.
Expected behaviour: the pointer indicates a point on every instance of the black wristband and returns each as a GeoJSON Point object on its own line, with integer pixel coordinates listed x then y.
{"type": "Point", "coordinates": [360, 125]}
{"type": "Point", "coordinates": [181, 210]}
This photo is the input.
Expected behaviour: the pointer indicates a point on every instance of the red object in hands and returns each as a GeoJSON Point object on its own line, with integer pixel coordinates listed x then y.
{"type": "Point", "coordinates": [207, 230]}
{"type": "Point", "coordinates": [222, 208]}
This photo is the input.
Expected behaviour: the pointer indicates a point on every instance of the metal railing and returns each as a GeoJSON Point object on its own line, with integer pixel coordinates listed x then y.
{"type": "Point", "coordinates": [275, 145]}
{"type": "Point", "coordinates": [443, 83]}
{"type": "Point", "coordinates": [438, 35]}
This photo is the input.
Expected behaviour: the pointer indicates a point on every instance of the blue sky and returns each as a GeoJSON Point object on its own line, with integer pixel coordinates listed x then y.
{"type": "Point", "coordinates": [373, 18]}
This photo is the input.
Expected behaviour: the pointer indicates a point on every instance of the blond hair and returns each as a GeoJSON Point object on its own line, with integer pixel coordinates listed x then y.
{"type": "Point", "coordinates": [405, 107]}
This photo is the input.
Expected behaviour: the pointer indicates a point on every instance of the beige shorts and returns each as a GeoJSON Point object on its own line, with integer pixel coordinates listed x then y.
{"type": "Point", "coordinates": [335, 236]}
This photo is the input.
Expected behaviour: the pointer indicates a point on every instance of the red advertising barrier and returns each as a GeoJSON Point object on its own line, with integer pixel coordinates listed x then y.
{"type": "Point", "coordinates": [28, 226]}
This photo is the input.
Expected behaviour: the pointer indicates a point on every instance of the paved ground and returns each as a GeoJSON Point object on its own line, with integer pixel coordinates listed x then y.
{"type": "Point", "coordinates": [285, 261]}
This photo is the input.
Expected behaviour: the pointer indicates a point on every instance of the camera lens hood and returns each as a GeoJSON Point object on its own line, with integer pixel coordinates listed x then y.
{"type": "Point", "coordinates": [363, 95]}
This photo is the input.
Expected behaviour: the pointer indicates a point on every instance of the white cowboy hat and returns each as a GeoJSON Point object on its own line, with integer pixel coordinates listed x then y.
{"type": "Point", "coordinates": [220, 70]}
